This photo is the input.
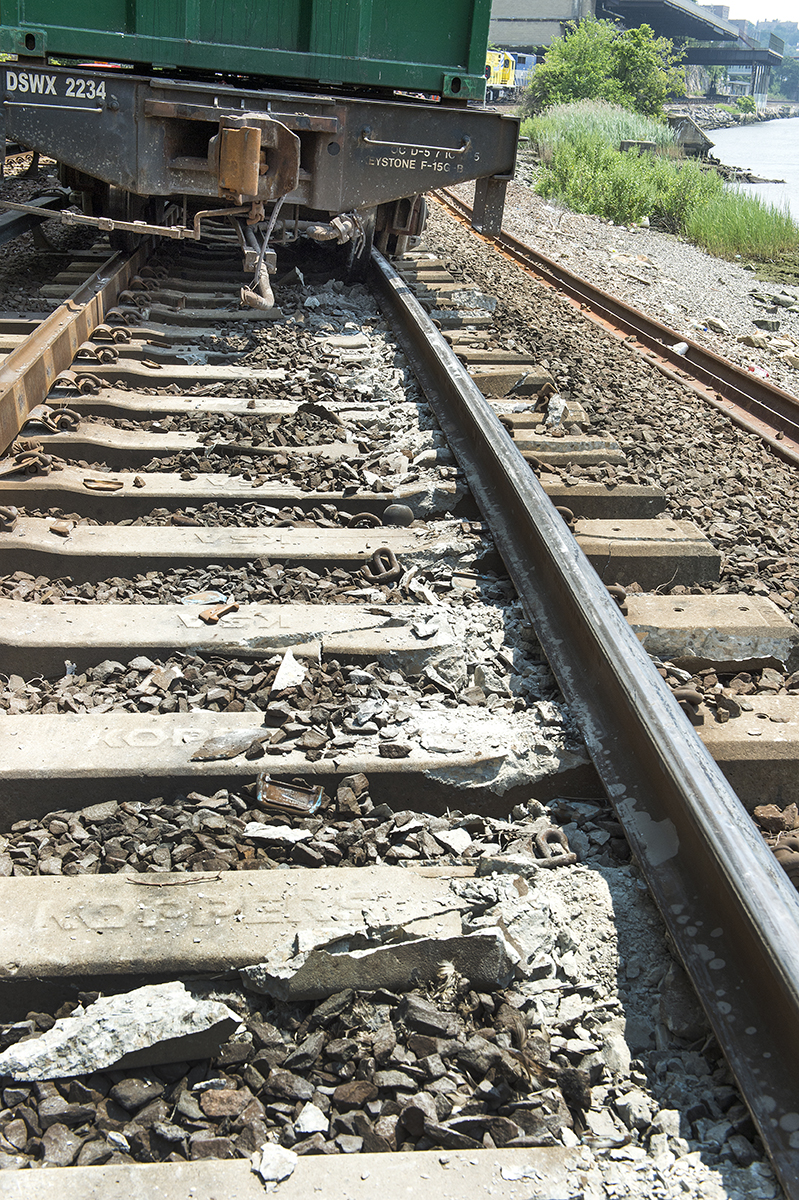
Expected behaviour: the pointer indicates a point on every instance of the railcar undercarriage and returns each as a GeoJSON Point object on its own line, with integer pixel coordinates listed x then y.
{"type": "Point", "coordinates": [146, 155]}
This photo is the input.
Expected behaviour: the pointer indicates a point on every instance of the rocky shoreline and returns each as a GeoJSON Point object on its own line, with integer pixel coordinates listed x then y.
{"type": "Point", "coordinates": [710, 116]}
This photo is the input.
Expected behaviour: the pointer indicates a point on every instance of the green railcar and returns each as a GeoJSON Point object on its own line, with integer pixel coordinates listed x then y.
{"type": "Point", "coordinates": [337, 114]}
{"type": "Point", "coordinates": [407, 45]}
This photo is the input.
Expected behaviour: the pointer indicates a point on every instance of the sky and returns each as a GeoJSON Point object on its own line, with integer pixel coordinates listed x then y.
{"type": "Point", "coordinates": [763, 10]}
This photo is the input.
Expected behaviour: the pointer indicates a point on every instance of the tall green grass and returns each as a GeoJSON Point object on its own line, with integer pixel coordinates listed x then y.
{"type": "Point", "coordinates": [610, 122]}
{"type": "Point", "coordinates": [584, 169]}
{"type": "Point", "coordinates": [593, 177]}
{"type": "Point", "coordinates": [734, 223]}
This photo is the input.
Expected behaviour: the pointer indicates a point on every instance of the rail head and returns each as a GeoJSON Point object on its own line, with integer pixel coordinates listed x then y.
{"type": "Point", "coordinates": [30, 371]}
{"type": "Point", "coordinates": [729, 908]}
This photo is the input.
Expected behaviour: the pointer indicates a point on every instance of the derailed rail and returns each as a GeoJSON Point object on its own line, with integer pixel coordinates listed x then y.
{"type": "Point", "coordinates": [728, 906]}
{"type": "Point", "coordinates": [29, 372]}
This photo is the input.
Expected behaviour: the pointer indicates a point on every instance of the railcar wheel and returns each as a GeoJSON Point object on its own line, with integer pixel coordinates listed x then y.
{"type": "Point", "coordinates": [90, 194]}
{"type": "Point", "coordinates": [125, 206]}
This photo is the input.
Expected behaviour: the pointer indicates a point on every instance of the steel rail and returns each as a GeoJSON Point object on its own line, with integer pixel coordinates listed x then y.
{"type": "Point", "coordinates": [752, 403]}
{"type": "Point", "coordinates": [29, 372]}
{"type": "Point", "coordinates": [729, 907]}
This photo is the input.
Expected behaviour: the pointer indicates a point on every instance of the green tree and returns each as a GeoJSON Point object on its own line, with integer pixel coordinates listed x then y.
{"type": "Point", "coordinates": [596, 60]}
{"type": "Point", "coordinates": [786, 77]}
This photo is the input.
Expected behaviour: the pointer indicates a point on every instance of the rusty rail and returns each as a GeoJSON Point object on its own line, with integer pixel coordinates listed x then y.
{"type": "Point", "coordinates": [30, 371]}
{"type": "Point", "coordinates": [753, 404]}
{"type": "Point", "coordinates": [729, 907]}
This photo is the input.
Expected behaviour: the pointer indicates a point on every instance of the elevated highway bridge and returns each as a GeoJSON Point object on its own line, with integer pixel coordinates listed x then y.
{"type": "Point", "coordinates": [530, 25]}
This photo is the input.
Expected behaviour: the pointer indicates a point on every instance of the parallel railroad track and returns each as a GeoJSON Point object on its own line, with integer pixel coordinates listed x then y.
{"type": "Point", "coordinates": [12, 224]}
{"type": "Point", "coordinates": [713, 879]}
{"type": "Point", "coordinates": [753, 403]}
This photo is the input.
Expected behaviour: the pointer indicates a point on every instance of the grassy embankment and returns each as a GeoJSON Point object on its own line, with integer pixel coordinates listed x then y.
{"type": "Point", "coordinates": [583, 168]}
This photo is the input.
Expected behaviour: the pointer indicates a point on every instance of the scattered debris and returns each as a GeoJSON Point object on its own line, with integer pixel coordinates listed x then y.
{"type": "Point", "coordinates": [290, 673]}
{"type": "Point", "coordinates": [287, 798]}
{"type": "Point", "coordinates": [274, 1163]}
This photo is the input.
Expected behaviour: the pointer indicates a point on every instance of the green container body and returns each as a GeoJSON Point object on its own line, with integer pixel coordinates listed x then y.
{"type": "Point", "coordinates": [408, 45]}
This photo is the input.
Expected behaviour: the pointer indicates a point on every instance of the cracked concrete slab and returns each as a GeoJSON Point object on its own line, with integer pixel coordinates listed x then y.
{"type": "Point", "coordinates": [758, 751]}
{"type": "Point", "coordinates": [483, 957]}
{"type": "Point", "coordinates": [126, 447]}
{"type": "Point", "coordinates": [134, 755]}
{"type": "Point", "coordinates": [157, 1023]}
{"type": "Point", "coordinates": [729, 632]}
{"type": "Point", "coordinates": [650, 553]}
{"type": "Point", "coordinates": [37, 638]}
{"type": "Point", "coordinates": [94, 552]}
{"type": "Point", "coordinates": [169, 490]}
{"type": "Point", "coordinates": [542, 1172]}
{"type": "Point", "coordinates": [95, 925]}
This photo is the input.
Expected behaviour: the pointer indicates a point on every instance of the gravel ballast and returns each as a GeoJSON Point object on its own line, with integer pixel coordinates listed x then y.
{"type": "Point", "coordinates": [602, 1014]}
{"type": "Point", "coordinates": [693, 293]}
{"type": "Point", "coordinates": [735, 489]}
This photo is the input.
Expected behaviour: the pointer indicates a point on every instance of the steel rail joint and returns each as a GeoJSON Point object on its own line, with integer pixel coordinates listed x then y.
{"type": "Point", "coordinates": [728, 906]}
{"type": "Point", "coordinates": [29, 372]}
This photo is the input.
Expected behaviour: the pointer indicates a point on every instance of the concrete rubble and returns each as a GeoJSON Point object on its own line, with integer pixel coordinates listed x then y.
{"type": "Point", "coordinates": [484, 958]}
{"type": "Point", "coordinates": [563, 1054]}
{"type": "Point", "coordinates": [274, 1164]}
{"type": "Point", "coordinates": [484, 701]}
{"type": "Point", "coordinates": [156, 1023]}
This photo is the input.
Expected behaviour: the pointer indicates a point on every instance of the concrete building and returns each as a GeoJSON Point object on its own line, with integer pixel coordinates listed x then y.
{"type": "Point", "coordinates": [525, 24]}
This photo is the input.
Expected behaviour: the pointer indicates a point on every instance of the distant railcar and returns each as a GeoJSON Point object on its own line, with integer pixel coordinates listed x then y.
{"type": "Point", "coordinates": [507, 74]}
{"type": "Point", "coordinates": [525, 65]}
{"type": "Point", "coordinates": [500, 75]}
{"type": "Point", "coordinates": [341, 113]}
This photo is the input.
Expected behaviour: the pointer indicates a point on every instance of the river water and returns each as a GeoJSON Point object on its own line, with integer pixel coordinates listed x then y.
{"type": "Point", "coordinates": [771, 150]}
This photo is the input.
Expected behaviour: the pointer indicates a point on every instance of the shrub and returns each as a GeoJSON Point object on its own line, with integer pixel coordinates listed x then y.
{"type": "Point", "coordinates": [595, 60]}
{"type": "Point", "coordinates": [746, 104]}
{"type": "Point", "coordinates": [592, 177]}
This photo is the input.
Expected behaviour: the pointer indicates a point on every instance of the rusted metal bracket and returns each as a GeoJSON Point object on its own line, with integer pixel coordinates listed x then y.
{"type": "Point", "coordinates": [292, 799]}
{"type": "Point", "coordinates": [29, 461]}
{"type": "Point", "coordinates": [55, 420]}
{"type": "Point", "coordinates": [256, 156]}
{"type": "Point", "coordinates": [364, 520]}
{"type": "Point", "coordinates": [8, 518]}
{"type": "Point", "coordinates": [30, 371]}
{"type": "Point", "coordinates": [553, 849]}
